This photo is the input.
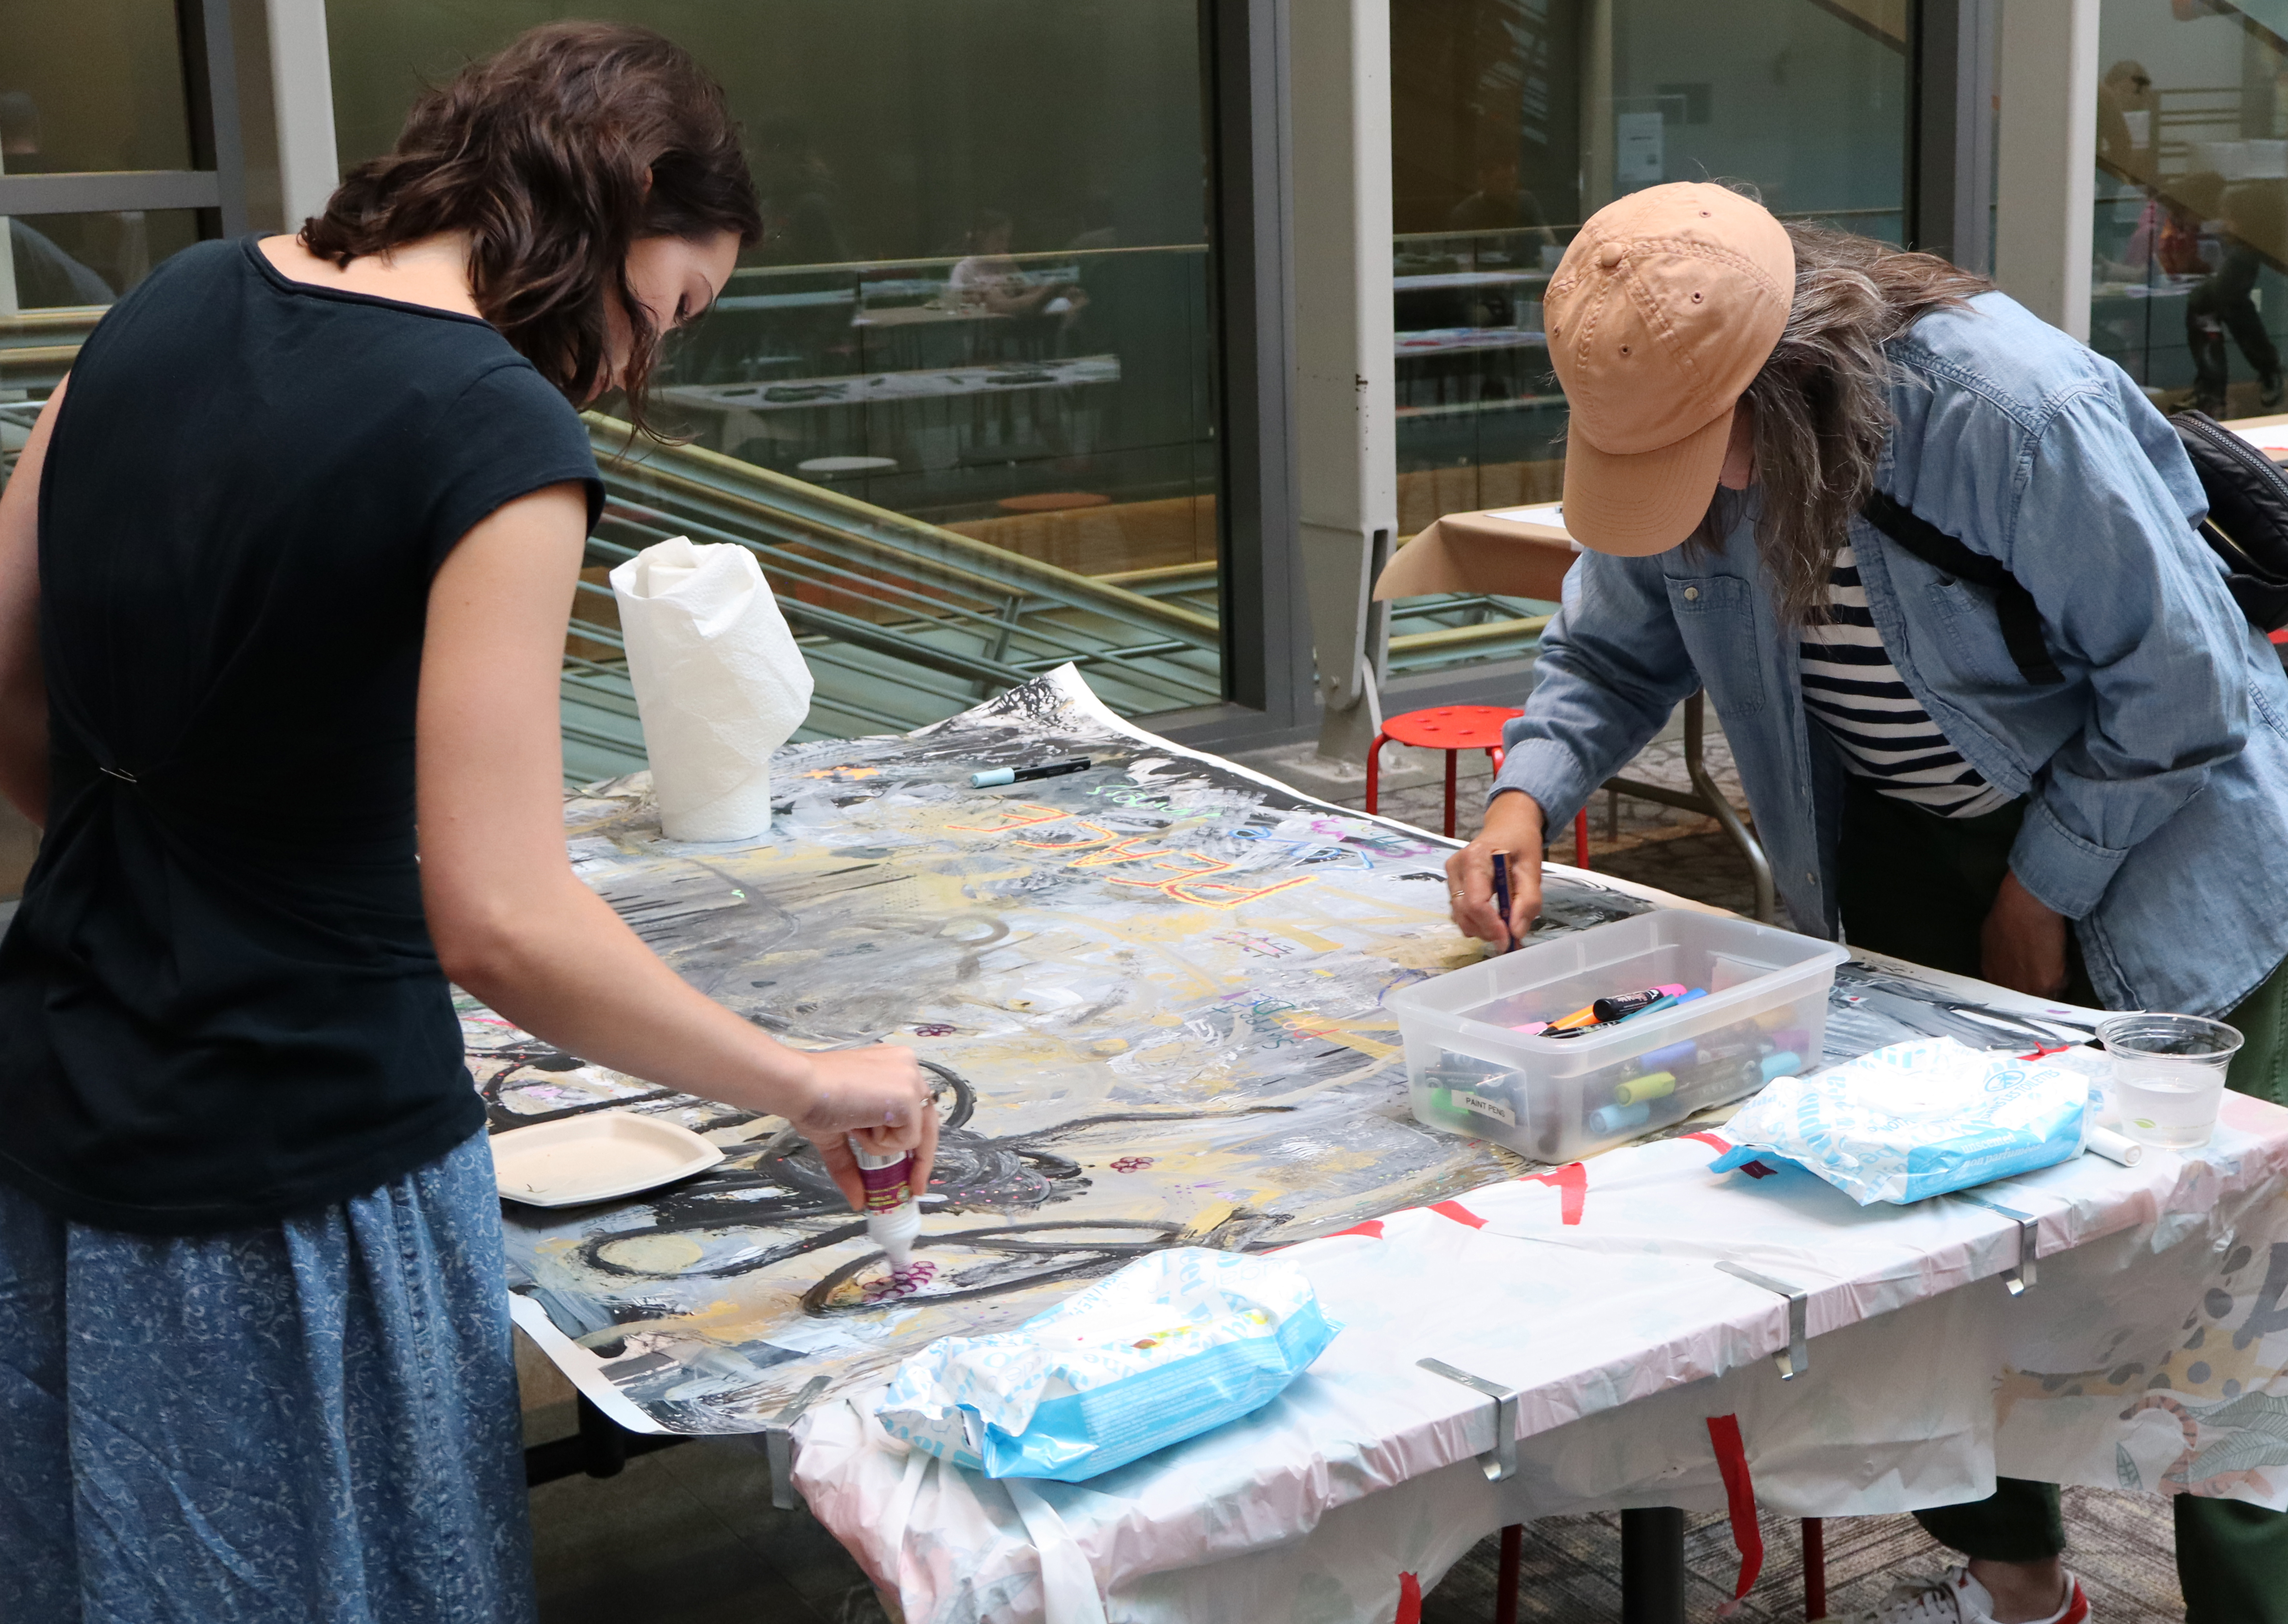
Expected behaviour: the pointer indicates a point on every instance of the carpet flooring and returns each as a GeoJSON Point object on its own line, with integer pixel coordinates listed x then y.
{"type": "Point", "coordinates": [2121, 1546]}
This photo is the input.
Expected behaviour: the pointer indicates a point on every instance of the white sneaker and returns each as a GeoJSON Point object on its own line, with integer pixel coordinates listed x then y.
{"type": "Point", "coordinates": [1955, 1598]}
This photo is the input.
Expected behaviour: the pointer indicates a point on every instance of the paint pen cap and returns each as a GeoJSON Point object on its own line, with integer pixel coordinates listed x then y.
{"type": "Point", "coordinates": [1652, 1085]}
{"type": "Point", "coordinates": [1620, 1006]}
{"type": "Point", "coordinates": [1619, 1119]}
{"type": "Point", "coordinates": [990, 779]}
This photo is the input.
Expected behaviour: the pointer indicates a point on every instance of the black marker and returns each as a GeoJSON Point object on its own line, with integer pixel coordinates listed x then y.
{"type": "Point", "coordinates": [1501, 897]}
{"type": "Point", "coordinates": [1026, 775]}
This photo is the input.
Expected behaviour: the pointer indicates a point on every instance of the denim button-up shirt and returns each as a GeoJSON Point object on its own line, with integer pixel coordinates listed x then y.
{"type": "Point", "coordinates": [2156, 770]}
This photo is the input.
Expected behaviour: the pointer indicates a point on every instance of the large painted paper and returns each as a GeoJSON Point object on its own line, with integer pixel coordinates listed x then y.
{"type": "Point", "coordinates": [1151, 996]}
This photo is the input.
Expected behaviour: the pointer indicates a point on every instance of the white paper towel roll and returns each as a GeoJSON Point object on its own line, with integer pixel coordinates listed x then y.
{"type": "Point", "coordinates": [718, 681]}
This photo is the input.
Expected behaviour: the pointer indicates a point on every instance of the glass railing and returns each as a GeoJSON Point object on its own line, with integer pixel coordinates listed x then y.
{"type": "Point", "coordinates": [902, 621]}
{"type": "Point", "coordinates": [1056, 406]}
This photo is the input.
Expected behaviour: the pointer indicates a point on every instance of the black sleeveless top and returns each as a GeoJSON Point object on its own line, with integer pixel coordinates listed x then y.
{"type": "Point", "coordinates": [219, 1001]}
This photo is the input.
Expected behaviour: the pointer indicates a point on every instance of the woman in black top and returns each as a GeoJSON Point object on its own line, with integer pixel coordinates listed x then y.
{"type": "Point", "coordinates": [285, 570]}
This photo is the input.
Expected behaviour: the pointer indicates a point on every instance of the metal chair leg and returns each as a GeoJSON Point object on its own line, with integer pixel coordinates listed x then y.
{"type": "Point", "coordinates": [1759, 867]}
{"type": "Point", "coordinates": [1453, 788]}
{"type": "Point", "coordinates": [1580, 838]}
{"type": "Point", "coordinates": [1374, 773]}
{"type": "Point", "coordinates": [1512, 1553]}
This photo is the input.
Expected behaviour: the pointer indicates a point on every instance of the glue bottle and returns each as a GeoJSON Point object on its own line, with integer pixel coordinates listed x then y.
{"type": "Point", "coordinates": [893, 1218]}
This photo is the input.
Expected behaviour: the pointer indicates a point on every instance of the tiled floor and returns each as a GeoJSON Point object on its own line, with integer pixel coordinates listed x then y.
{"type": "Point", "coordinates": [688, 1536]}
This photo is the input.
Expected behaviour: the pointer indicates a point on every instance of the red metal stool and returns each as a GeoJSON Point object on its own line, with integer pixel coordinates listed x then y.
{"type": "Point", "coordinates": [1453, 729]}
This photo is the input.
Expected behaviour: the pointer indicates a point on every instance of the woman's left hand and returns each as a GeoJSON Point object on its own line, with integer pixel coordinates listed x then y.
{"type": "Point", "coordinates": [2024, 943]}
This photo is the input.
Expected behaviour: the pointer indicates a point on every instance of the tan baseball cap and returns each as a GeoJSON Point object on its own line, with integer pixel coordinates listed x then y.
{"type": "Point", "coordinates": [1662, 312]}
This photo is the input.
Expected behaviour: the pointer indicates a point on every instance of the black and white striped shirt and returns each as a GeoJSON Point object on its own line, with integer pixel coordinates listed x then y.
{"type": "Point", "coordinates": [1851, 686]}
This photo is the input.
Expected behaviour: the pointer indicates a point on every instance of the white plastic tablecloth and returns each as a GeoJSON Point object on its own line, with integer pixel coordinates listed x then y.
{"type": "Point", "coordinates": [2149, 1355]}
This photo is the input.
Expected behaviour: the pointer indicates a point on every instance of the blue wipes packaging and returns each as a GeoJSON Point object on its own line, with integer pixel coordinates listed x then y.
{"type": "Point", "coordinates": [1915, 1120]}
{"type": "Point", "coordinates": [1174, 1344]}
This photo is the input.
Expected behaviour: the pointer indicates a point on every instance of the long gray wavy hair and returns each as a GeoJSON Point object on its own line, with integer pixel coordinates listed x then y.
{"type": "Point", "coordinates": [1822, 403]}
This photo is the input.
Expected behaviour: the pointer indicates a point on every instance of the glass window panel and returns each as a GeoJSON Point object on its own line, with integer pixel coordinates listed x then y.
{"type": "Point", "coordinates": [2191, 232]}
{"type": "Point", "coordinates": [93, 85]}
{"type": "Point", "coordinates": [1511, 120]}
{"type": "Point", "coordinates": [981, 297]}
{"type": "Point", "coordinates": [67, 260]}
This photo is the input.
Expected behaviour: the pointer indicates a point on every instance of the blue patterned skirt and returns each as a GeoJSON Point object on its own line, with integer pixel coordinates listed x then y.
{"type": "Point", "coordinates": [310, 1422]}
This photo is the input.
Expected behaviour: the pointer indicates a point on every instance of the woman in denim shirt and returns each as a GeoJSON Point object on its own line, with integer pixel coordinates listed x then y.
{"type": "Point", "coordinates": [2112, 828]}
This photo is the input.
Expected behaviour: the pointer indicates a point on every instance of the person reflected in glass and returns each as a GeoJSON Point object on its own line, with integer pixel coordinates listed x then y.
{"type": "Point", "coordinates": [285, 572]}
{"type": "Point", "coordinates": [987, 279]}
{"type": "Point", "coordinates": [46, 276]}
{"type": "Point", "coordinates": [795, 189]}
{"type": "Point", "coordinates": [1501, 203]}
{"type": "Point", "coordinates": [2250, 227]}
{"type": "Point", "coordinates": [2128, 123]}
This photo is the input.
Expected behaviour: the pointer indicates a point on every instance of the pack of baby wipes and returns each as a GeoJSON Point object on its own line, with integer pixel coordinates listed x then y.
{"type": "Point", "coordinates": [1175, 1343]}
{"type": "Point", "coordinates": [1915, 1120]}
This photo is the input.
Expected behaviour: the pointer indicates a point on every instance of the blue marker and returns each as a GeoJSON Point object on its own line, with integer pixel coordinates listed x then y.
{"type": "Point", "coordinates": [1668, 1059]}
{"type": "Point", "coordinates": [1619, 1119]}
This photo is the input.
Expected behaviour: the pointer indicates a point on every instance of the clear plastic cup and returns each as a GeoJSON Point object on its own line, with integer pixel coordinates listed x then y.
{"type": "Point", "coordinates": [2168, 1075]}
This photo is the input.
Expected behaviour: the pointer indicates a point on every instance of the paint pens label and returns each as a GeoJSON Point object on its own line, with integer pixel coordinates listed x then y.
{"type": "Point", "coordinates": [885, 1187]}
{"type": "Point", "coordinates": [1480, 1106]}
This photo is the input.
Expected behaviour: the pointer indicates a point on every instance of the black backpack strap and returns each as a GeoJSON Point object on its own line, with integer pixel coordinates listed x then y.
{"type": "Point", "coordinates": [2247, 526]}
{"type": "Point", "coordinates": [2021, 620]}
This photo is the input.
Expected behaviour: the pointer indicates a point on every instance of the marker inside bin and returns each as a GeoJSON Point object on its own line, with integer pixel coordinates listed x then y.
{"type": "Point", "coordinates": [1763, 1010]}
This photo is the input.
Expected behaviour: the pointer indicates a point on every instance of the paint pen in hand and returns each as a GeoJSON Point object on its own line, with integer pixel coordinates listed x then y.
{"type": "Point", "coordinates": [894, 1218]}
{"type": "Point", "coordinates": [1501, 898]}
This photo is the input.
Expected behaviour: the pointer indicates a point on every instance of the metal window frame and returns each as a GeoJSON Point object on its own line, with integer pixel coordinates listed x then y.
{"type": "Point", "coordinates": [1265, 624]}
{"type": "Point", "coordinates": [1949, 181]}
{"type": "Point", "coordinates": [215, 186]}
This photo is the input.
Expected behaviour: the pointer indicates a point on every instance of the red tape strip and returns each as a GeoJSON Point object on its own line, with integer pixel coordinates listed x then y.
{"type": "Point", "coordinates": [1459, 1213]}
{"type": "Point", "coordinates": [1739, 1498]}
{"type": "Point", "coordinates": [1714, 1142]}
{"type": "Point", "coordinates": [1572, 1183]}
{"type": "Point", "coordinates": [1410, 1600]}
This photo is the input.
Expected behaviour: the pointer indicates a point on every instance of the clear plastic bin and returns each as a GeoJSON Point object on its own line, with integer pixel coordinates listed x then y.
{"type": "Point", "coordinates": [1555, 1099]}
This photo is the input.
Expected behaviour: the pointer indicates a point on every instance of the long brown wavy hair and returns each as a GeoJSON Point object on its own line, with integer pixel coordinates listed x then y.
{"type": "Point", "coordinates": [1822, 401]}
{"type": "Point", "coordinates": [556, 156]}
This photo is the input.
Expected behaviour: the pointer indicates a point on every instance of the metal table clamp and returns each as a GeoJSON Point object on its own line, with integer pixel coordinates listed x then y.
{"type": "Point", "coordinates": [778, 1443]}
{"type": "Point", "coordinates": [2018, 1279]}
{"type": "Point", "coordinates": [1501, 1464]}
{"type": "Point", "coordinates": [1795, 1359]}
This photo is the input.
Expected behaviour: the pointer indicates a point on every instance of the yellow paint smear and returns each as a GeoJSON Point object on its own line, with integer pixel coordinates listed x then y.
{"type": "Point", "coordinates": [1294, 931]}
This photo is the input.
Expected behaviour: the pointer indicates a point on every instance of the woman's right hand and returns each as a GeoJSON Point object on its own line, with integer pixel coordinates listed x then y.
{"type": "Point", "coordinates": [880, 1094]}
{"type": "Point", "coordinates": [1513, 827]}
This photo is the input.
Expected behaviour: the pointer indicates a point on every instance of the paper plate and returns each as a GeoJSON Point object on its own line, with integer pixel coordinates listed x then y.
{"type": "Point", "coordinates": [595, 1157]}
